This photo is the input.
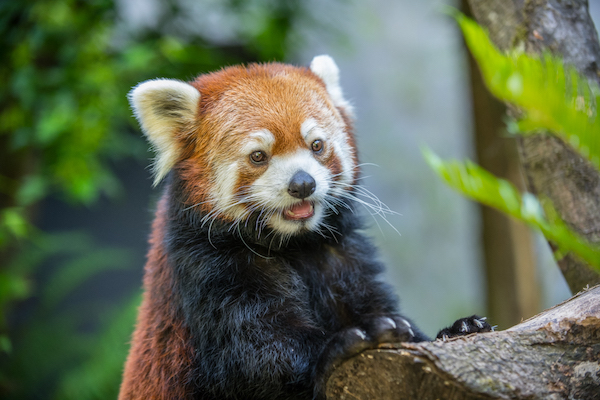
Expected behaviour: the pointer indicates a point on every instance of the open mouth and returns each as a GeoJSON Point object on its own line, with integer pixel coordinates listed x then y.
{"type": "Point", "coordinates": [300, 211]}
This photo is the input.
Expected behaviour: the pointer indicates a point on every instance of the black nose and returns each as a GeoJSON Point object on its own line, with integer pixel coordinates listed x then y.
{"type": "Point", "coordinates": [301, 185]}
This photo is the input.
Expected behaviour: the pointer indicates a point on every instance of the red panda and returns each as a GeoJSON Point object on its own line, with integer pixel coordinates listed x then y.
{"type": "Point", "coordinates": [258, 280]}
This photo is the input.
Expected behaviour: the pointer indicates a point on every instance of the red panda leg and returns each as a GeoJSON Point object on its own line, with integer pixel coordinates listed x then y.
{"type": "Point", "coordinates": [161, 356]}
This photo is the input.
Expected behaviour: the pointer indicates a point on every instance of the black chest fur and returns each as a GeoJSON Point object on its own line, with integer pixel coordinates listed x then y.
{"type": "Point", "coordinates": [262, 310]}
{"type": "Point", "coordinates": [313, 273]}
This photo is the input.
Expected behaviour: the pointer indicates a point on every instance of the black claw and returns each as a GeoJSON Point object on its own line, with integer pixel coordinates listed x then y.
{"type": "Point", "coordinates": [465, 326]}
{"type": "Point", "coordinates": [390, 329]}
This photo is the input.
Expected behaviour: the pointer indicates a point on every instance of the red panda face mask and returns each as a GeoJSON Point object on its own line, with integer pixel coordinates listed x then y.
{"type": "Point", "coordinates": [267, 143]}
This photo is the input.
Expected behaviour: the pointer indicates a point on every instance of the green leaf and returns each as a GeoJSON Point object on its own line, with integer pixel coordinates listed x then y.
{"type": "Point", "coordinates": [13, 220]}
{"type": "Point", "coordinates": [32, 189]}
{"type": "Point", "coordinates": [480, 185]}
{"type": "Point", "coordinates": [551, 96]}
{"type": "Point", "coordinates": [13, 287]}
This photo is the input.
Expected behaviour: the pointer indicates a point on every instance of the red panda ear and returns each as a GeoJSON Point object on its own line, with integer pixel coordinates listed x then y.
{"type": "Point", "coordinates": [325, 68]}
{"type": "Point", "coordinates": [163, 107]}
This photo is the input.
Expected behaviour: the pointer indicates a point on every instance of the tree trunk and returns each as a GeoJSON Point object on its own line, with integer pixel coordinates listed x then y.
{"type": "Point", "coordinates": [554, 355]}
{"type": "Point", "coordinates": [552, 168]}
{"type": "Point", "coordinates": [511, 285]}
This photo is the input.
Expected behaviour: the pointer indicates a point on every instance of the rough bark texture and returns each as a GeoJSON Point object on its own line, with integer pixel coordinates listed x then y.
{"type": "Point", "coordinates": [554, 355]}
{"type": "Point", "coordinates": [552, 168]}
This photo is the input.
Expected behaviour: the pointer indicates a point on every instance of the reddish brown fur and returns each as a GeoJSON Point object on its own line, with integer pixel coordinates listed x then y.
{"type": "Point", "coordinates": [334, 165]}
{"type": "Point", "coordinates": [239, 100]}
{"type": "Point", "coordinates": [161, 353]}
{"type": "Point", "coordinates": [246, 177]}
{"type": "Point", "coordinates": [195, 172]}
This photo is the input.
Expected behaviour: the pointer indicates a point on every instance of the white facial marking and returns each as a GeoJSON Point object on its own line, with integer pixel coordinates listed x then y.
{"type": "Point", "coordinates": [224, 189]}
{"type": "Point", "coordinates": [307, 128]}
{"type": "Point", "coordinates": [271, 190]}
{"type": "Point", "coordinates": [259, 140]}
{"type": "Point", "coordinates": [345, 154]}
{"type": "Point", "coordinates": [268, 194]}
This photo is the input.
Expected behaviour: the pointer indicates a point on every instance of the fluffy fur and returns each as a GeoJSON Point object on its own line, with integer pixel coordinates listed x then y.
{"type": "Point", "coordinates": [259, 281]}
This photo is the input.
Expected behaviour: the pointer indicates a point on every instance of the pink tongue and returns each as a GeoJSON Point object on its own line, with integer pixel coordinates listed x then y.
{"type": "Point", "coordinates": [299, 211]}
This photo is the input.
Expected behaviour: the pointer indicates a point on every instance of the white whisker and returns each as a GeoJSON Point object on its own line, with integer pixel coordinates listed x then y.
{"type": "Point", "coordinates": [250, 248]}
{"type": "Point", "coordinates": [374, 207]}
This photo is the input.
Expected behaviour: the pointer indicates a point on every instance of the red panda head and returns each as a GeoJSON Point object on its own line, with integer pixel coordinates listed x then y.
{"type": "Point", "coordinates": [268, 140]}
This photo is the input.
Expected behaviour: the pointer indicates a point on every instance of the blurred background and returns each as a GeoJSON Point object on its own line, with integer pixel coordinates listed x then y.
{"type": "Point", "coordinates": [76, 201]}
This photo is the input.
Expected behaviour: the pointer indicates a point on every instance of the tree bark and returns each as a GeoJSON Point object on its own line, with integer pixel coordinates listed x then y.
{"type": "Point", "coordinates": [554, 355]}
{"type": "Point", "coordinates": [551, 167]}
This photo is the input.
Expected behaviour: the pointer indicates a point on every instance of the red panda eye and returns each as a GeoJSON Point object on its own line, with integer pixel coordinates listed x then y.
{"type": "Point", "coordinates": [317, 145]}
{"type": "Point", "coordinates": [258, 157]}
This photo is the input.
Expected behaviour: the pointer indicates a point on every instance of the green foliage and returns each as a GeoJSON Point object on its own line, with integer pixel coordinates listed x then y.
{"type": "Point", "coordinates": [98, 376]}
{"type": "Point", "coordinates": [63, 106]}
{"type": "Point", "coordinates": [61, 333]}
{"type": "Point", "coordinates": [64, 124]}
{"type": "Point", "coordinates": [478, 184]}
{"type": "Point", "coordinates": [551, 96]}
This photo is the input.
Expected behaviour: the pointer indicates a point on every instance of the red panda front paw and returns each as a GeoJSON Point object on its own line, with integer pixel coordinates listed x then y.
{"type": "Point", "coordinates": [344, 345]}
{"type": "Point", "coordinates": [390, 329]}
{"type": "Point", "coordinates": [352, 341]}
{"type": "Point", "coordinates": [465, 326]}
{"type": "Point", "coordinates": [381, 329]}
{"type": "Point", "coordinates": [341, 347]}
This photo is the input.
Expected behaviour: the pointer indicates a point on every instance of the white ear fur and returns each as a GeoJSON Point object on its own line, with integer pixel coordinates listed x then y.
{"type": "Point", "coordinates": [162, 106]}
{"type": "Point", "coordinates": [325, 68]}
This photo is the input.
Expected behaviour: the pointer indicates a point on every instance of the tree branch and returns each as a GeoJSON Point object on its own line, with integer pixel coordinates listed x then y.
{"type": "Point", "coordinates": [554, 355]}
